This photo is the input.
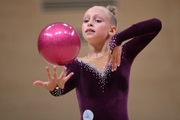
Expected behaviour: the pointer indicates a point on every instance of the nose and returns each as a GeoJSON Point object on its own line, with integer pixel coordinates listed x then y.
{"type": "Point", "coordinates": [89, 24]}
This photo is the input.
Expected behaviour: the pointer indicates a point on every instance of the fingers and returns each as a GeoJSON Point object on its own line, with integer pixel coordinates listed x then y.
{"type": "Point", "coordinates": [49, 86]}
{"type": "Point", "coordinates": [38, 82]}
{"type": "Point", "coordinates": [50, 77]}
{"type": "Point", "coordinates": [63, 73]}
{"type": "Point", "coordinates": [63, 78]}
{"type": "Point", "coordinates": [68, 76]}
{"type": "Point", "coordinates": [55, 72]}
{"type": "Point", "coordinates": [114, 64]}
{"type": "Point", "coordinates": [54, 80]}
{"type": "Point", "coordinates": [48, 73]}
{"type": "Point", "coordinates": [116, 59]}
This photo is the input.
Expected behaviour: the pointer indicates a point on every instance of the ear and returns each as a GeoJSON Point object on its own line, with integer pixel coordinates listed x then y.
{"type": "Point", "coordinates": [112, 30]}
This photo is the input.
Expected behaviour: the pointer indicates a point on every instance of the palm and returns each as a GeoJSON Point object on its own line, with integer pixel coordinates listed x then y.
{"type": "Point", "coordinates": [115, 58]}
{"type": "Point", "coordinates": [54, 80]}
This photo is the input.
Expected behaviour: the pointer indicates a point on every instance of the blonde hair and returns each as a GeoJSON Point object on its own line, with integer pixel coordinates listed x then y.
{"type": "Point", "coordinates": [112, 10]}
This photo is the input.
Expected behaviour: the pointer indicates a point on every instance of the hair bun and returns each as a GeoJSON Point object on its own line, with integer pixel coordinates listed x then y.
{"type": "Point", "coordinates": [112, 9]}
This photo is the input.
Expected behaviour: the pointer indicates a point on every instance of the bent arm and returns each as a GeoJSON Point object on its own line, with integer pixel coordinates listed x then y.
{"type": "Point", "coordinates": [140, 34]}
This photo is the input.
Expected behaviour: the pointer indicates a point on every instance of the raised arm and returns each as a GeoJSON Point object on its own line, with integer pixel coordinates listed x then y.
{"type": "Point", "coordinates": [140, 34]}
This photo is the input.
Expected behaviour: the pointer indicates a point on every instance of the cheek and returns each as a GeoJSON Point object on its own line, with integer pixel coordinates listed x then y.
{"type": "Point", "coordinates": [104, 30]}
{"type": "Point", "coordinates": [82, 27]}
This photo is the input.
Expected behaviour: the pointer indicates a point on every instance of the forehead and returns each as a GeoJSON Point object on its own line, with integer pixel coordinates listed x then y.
{"type": "Point", "coordinates": [97, 10]}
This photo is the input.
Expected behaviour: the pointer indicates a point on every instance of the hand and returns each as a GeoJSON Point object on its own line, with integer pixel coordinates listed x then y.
{"type": "Point", "coordinates": [114, 58]}
{"type": "Point", "coordinates": [54, 81]}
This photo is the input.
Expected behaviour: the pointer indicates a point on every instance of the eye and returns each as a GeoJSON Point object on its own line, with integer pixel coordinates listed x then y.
{"type": "Point", "coordinates": [85, 21]}
{"type": "Point", "coordinates": [98, 21]}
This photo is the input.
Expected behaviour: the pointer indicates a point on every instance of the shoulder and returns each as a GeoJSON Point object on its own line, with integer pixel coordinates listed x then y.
{"type": "Point", "coordinates": [73, 66]}
{"type": "Point", "coordinates": [75, 62]}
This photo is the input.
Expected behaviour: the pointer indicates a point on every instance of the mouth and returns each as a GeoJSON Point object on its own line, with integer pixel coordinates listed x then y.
{"type": "Point", "coordinates": [89, 30]}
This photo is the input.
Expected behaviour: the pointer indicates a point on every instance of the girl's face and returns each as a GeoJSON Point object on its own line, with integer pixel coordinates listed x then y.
{"type": "Point", "coordinates": [96, 25]}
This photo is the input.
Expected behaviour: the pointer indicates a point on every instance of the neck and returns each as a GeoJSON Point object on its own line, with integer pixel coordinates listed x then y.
{"type": "Point", "coordinates": [98, 50]}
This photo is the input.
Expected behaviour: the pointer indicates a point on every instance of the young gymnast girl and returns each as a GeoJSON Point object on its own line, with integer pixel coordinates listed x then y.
{"type": "Point", "coordinates": [101, 78]}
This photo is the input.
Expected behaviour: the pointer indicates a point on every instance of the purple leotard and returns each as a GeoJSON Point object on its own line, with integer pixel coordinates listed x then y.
{"type": "Point", "coordinates": [103, 95]}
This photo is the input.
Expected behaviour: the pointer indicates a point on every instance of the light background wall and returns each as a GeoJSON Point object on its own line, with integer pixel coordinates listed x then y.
{"type": "Point", "coordinates": [155, 75]}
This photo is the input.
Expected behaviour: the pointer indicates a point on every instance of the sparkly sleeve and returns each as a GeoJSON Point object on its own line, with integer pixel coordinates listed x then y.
{"type": "Point", "coordinates": [71, 83]}
{"type": "Point", "coordinates": [140, 34]}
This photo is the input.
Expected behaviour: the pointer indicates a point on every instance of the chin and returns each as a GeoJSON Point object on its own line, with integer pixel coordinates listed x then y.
{"type": "Point", "coordinates": [88, 39]}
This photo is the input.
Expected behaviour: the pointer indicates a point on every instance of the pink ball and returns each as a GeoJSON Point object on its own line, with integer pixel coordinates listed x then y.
{"type": "Point", "coordinates": [58, 43]}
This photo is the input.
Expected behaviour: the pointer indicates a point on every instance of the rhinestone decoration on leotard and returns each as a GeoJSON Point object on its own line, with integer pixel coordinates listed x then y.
{"type": "Point", "coordinates": [101, 75]}
{"type": "Point", "coordinates": [112, 43]}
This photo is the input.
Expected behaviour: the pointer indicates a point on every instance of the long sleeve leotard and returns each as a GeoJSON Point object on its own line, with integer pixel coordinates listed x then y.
{"type": "Point", "coordinates": [103, 95]}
